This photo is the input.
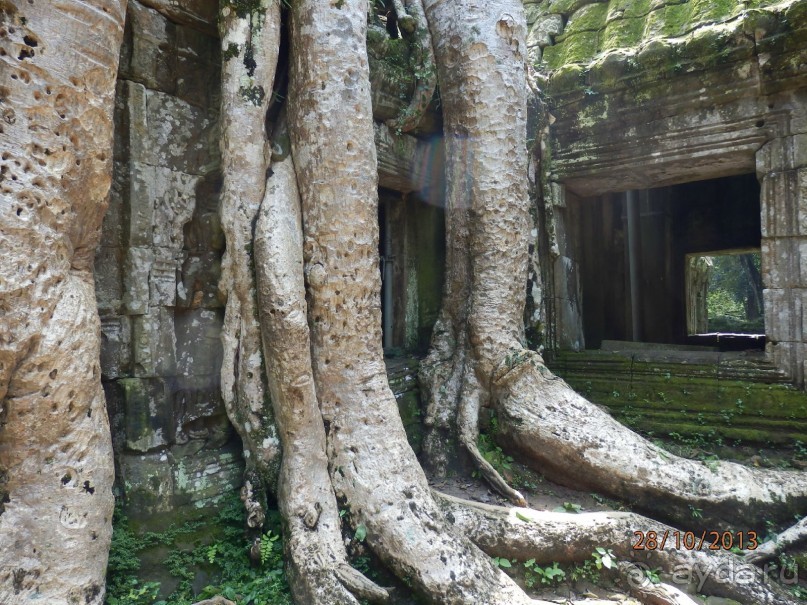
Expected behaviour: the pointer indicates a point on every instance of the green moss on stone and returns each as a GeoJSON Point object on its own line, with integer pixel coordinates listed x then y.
{"type": "Point", "coordinates": [231, 52]}
{"type": "Point", "coordinates": [590, 18]}
{"type": "Point", "coordinates": [623, 33]}
{"type": "Point", "coordinates": [688, 398]}
{"type": "Point", "coordinates": [628, 9]}
{"type": "Point", "coordinates": [566, 79]}
{"type": "Point", "coordinates": [578, 48]}
{"type": "Point", "coordinates": [536, 11]}
{"type": "Point", "coordinates": [704, 11]}
{"type": "Point", "coordinates": [670, 21]}
{"type": "Point", "coordinates": [564, 7]}
{"type": "Point", "coordinates": [607, 72]}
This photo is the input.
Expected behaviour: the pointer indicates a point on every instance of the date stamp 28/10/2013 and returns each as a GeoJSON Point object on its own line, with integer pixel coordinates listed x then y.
{"type": "Point", "coordinates": [689, 540]}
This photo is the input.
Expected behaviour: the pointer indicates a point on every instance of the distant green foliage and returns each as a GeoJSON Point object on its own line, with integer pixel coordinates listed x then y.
{"type": "Point", "coordinates": [225, 559]}
{"type": "Point", "coordinates": [734, 299]}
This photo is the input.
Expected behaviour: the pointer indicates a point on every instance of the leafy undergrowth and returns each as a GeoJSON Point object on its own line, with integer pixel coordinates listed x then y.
{"type": "Point", "coordinates": [202, 558]}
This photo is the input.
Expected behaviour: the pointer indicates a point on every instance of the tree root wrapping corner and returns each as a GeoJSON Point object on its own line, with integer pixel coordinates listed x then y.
{"type": "Point", "coordinates": [250, 39]}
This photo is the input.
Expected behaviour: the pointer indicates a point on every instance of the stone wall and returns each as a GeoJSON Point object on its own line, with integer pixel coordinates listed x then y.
{"type": "Point", "coordinates": [158, 266]}
{"type": "Point", "coordinates": [157, 272]}
{"type": "Point", "coordinates": [653, 93]}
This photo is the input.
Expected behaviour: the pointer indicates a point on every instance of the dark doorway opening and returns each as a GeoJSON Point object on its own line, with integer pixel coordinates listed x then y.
{"type": "Point", "coordinates": [411, 248]}
{"type": "Point", "coordinates": [635, 251]}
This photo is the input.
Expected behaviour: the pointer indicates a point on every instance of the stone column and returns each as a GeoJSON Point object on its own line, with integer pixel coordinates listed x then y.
{"type": "Point", "coordinates": [782, 171]}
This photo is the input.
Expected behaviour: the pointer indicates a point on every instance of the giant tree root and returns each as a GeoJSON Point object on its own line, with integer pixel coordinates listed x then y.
{"type": "Point", "coordinates": [58, 62]}
{"type": "Point", "coordinates": [371, 464]}
{"type": "Point", "coordinates": [652, 594]}
{"type": "Point", "coordinates": [520, 533]}
{"type": "Point", "coordinates": [573, 442]}
{"type": "Point", "coordinates": [790, 537]}
{"type": "Point", "coordinates": [479, 357]}
{"type": "Point", "coordinates": [247, 79]}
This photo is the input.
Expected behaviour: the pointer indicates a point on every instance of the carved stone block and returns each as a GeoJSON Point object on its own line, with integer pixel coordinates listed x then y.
{"type": "Point", "coordinates": [198, 336]}
{"type": "Point", "coordinates": [109, 279]}
{"type": "Point", "coordinates": [198, 283]}
{"type": "Point", "coordinates": [783, 314]}
{"type": "Point", "coordinates": [780, 204]}
{"type": "Point", "coordinates": [136, 270]}
{"type": "Point", "coordinates": [163, 280]}
{"type": "Point", "coordinates": [116, 351]}
{"type": "Point", "coordinates": [174, 203]}
{"type": "Point", "coordinates": [154, 343]}
{"type": "Point", "coordinates": [148, 423]}
{"type": "Point", "coordinates": [780, 265]}
{"type": "Point", "coordinates": [169, 132]}
{"type": "Point", "coordinates": [141, 204]}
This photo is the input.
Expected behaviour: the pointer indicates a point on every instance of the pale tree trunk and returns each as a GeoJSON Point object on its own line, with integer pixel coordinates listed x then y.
{"type": "Point", "coordinates": [316, 559]}
{"type": "Point", "coordinates": [372, 467]}
{"type": "Point", "coordinates": [58, 64]}
{"type": "Point", "coordinates": [250, 42]}
{"type": "Point", "coordinates": [479, 358]}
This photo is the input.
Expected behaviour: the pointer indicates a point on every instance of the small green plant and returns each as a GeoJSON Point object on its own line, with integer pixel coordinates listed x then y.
{"type": "Point", "coordinates": [267, 546]}
{"type": "Point", "coordinates": [799, 592]}
{"type": "Point", "coordinates": [569, 507]}
{"type": "Point", "coordinates": [603, 557]}
{"type": "Point", "coordinates": [534, 573]}
{"type": "Point", "coordinates": [696, 513]}
{"type": "Point", "coordinates": [585, 571]}
{"type": "Point", "coordinates": [136, 593]}
{"type": "Point", "coordinates": [502, 562]}
{"type": "Point", "coordinates": [711, 462]}
{"type": "Point", "coordinates": [218, 545]}
{"type": "Point", "coordinates": [494, 454]}
{"type": "Point", "coordinates": [361, 533]}
{"type": "Point", "coordinates": [652, 575]}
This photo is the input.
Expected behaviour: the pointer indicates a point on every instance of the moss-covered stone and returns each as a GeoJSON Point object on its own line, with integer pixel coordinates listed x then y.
{"type": "Point", "coordinates": [719, 32]}
{"type": "Point", "coordinates": [623, 33]}
{"type": "Point", "coordinates": [704, 11]}
{"type": "Point", "coordinates": [567, 7]}
{"type": "Point", "coordinates": [628, 9]}
{"type": "Point", "coordinates": [590, 18]}
{"type": "Point", "coordinates": [578, 48]}
{"type": "Point", "coordinates": [689, 399]}
{"type": "Point", "coordinates": [669, 21]}
{"type": "Point", "coordinates": [567, 78]}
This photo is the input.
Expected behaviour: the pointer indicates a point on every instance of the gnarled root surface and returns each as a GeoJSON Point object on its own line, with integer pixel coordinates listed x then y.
{"type": "Point", "coordinates": [521, 533]}
{"type": "Point", "coordinates": [316, 557]}
{"type": "Point", "coordinates": [574, 442]}
{"type": "Point", "coordinates": [247, 80]}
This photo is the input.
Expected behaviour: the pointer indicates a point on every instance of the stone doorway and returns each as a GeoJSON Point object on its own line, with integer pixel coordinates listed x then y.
{"type": "Point", "coordinates": [633, 249]}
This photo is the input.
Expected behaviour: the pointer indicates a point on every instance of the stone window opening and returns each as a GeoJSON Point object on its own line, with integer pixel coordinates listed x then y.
{"type": "Point", "coordinates": [724, 295]}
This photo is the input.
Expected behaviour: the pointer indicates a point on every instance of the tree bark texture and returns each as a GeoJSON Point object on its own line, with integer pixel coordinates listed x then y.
{"type": "Point", "coordinates": [316, 559]}
{"type": "Point", "coordinates": [547, 537]}
{"type": "Point", "coordinates": [250, 41]}
{"type": "Point", "coordinates": [58, 64]}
